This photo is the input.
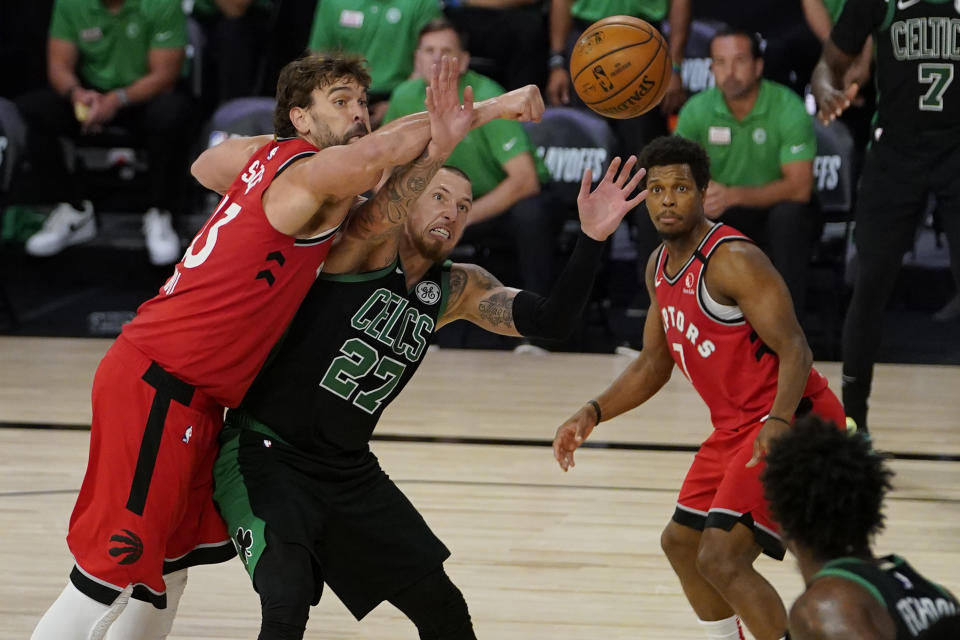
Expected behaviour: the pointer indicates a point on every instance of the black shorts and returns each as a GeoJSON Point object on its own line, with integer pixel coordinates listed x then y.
{"type": "Point", "coordinates": [366, 537]}
{"type": "Point", "coordinates": [894, 185]}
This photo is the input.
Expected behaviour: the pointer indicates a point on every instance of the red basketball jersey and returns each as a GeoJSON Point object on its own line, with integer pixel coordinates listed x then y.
{"type": "Point", "coordinates": [713, 344]}
{"type": "Point", "coordinates": [235, 290]}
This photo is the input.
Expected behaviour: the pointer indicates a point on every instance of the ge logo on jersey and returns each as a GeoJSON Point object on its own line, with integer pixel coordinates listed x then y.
{"type": "Point", "coordinates": [428, 292]}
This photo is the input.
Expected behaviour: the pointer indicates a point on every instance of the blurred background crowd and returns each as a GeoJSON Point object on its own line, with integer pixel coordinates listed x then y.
{"type": "Point", "coordinates": [104, 104]}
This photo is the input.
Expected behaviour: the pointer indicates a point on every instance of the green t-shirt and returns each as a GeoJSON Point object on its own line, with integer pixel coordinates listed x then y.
{"type": "Point", "coordinates": [778, 130]}
{"type": "Point", "coordinates": [113, 47]}
{"type": "Point", "coordinates": [592, 10]}
{"type": "Point", "coordinates": [386, 32]}
{"type": "Point", "coordinates": [484, 151]}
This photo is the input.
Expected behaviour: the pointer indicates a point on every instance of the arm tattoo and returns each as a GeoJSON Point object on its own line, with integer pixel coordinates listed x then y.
{"type": "Point", "coordinates": [392, 203]}
{"type": "Point", "coordinates": [458, 281]}
{"type": "Point", "coordinates": [497, 309]}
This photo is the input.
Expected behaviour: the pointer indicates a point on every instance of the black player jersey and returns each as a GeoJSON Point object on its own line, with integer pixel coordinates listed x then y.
{"type": "Point", "coordinates": [351, 348]}
{"type": "Point", "coordinates": [913, 602]}
{"type": "Point", "coordinates": [917, 44]}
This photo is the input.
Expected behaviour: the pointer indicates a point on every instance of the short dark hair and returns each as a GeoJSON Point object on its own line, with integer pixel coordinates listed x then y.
{"type": "Point", "coordinates": [442, 24]}
{"type": "Point", "coordinates": [460, 172]}
{"type": "Point", "coordinates": [667, 150]}
{"type": "Point", "coordinates": [757, 44]}
{"type": "Point", "coordinates": [300, 77]}
{"type": "Point", "coordinates": [826, 488]}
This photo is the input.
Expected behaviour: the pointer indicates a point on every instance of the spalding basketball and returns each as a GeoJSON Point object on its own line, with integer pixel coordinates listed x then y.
{"type": "Point", "coordinates": [620, 67]}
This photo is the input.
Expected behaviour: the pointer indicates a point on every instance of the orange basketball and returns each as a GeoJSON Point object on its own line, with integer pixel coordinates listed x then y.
{"type": "Point", "coordinates": [620, 67]}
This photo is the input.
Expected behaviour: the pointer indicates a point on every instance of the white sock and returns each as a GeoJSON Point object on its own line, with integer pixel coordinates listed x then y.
{"type": "Point", "coordinates": [76, 616]}
{"type": "Point", "coordinates": [143, 621]}
{"type": "Point", "coordinates": [726, 629]}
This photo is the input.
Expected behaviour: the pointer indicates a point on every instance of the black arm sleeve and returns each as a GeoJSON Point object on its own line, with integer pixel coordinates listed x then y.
{"type": "Point", "coordinates": [556, 316]}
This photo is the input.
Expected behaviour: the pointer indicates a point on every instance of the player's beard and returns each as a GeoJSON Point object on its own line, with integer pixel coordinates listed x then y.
{"type": "Point", "coordinates": [435, 251]}
{"type": "Point", "coordinates": [327, 138]}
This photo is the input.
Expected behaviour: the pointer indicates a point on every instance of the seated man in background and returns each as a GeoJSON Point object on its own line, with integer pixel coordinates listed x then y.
{"type": "Point", "coordinates": [761, 145]}
{"type": "Point", "coordinates": [385, 33]}
{"type": "Point", "coordinates": [505, 173]}
{"type": "Point", "coordinates": [111, 63]}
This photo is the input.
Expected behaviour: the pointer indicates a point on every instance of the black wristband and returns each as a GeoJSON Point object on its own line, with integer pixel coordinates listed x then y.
{"type": "Point", "coordinates": [769, 418]}
{"type": "Point", "coordinates": [557, 60]}
{"type": "Point", "coordinates": [596, 407]}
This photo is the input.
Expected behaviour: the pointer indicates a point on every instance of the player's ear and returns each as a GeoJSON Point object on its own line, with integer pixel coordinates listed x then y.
{"type": "Point", "coordinates": [758, 67]}
{"type": "Point", "coordinates": [298, 117]}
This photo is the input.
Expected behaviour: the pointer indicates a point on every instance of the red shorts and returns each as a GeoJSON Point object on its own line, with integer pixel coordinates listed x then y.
{"type": "Point", "coordinates": [720, 490]}
{"type": "Point", "coordinates": [146, 504]}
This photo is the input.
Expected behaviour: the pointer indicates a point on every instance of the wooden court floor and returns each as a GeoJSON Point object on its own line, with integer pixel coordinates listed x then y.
{"type": "Point", "coordinates": [538, 553]}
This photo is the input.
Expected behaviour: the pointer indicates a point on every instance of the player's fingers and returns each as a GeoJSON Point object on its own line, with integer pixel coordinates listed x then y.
{"type": "Point", "coordinates": [851, 91]}
{"type": "Point", "coordinates": [756, 454]}
{"type": "Point", "coordinates": [467, 98]}
{"type": "Point", "coordinates": [429, 101]}
{"type": "Point", "coordinates": [633, 202]}
{"type": "Point", "coordinates": [612, 169]}
{"type": "Point", "coordinates": [635, 180]}
{"type": "Point", "coordinates": [585, 183]}
{"type": "Point", "coordinates": [625, 171]}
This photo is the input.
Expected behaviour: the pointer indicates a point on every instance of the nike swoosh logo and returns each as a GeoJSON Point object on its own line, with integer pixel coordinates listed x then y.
{"type": "Point", "coordinates": [399, 270]}
{"type": "Point", "coordinates": [906, 4]}
{"type": "Point", "coordinates": [657, 282]}
{"type": "Point", "coordinates": [164, 35]}
{"type": "Point", "coordinates": [509, 144]}
{"type": "Point", "coordinates": [797, 148]}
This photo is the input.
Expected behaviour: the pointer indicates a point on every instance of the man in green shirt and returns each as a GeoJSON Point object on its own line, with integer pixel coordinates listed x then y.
{"type": "Point", "coordinates": [761, 144]}
{"type": "Point", "coordinates": [498, 157]}
{"type": "Point", "coordinates": [385, 32]}
{"type": "Point", "coordinates": [112, 63]}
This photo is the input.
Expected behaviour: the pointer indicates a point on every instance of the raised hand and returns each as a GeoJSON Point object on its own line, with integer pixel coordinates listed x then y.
{"type": "Point", "coordinates": [524, 104]}
{"type": "Point", "coordinates": [602, 209]}
{"type": "Point", "coordinates": [450, 121]}
{"type": "Point", "coordinates": [571, 435]}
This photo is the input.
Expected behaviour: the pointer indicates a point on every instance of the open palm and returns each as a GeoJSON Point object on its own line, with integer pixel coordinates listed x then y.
{"type": "Point", "coordinates": [602, 209]}
{"type": "Point", "coordinates": [450, 121]}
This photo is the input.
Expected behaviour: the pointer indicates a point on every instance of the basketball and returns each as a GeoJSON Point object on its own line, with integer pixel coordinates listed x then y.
{"type": "Point", "coordinates": [620, 67]}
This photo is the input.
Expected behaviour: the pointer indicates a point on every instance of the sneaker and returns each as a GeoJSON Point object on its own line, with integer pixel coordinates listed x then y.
{"type": "Point", "coordinates": [528, 348]}
{"type": "Point", "coordinates": [950, 311]}
{"type": "Point", "coordinates": [64, 226]}
{"type": "Point", "coordinates": [163, 243]}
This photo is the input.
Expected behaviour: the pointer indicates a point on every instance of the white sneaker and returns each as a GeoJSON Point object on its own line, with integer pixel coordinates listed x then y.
{"type": "Point", "coordinates": [64, 226]}
{"type": "Point", "coordinates": [163, 243]}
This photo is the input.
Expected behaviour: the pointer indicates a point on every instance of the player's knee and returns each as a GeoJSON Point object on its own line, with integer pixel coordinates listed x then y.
{"type": "Point", "coordinates": [718, 568]}
{"type": "Point", "coordinates": [437, 608]}
{"type": "Point", "coordinates": [676, 544]}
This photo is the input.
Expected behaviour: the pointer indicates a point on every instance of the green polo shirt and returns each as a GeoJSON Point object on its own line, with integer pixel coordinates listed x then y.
{"type": "Point", "coordinates": [112, 47]}
{"type": "Point", "coordinates": [592, 10]}
{"type": "Point", "coordinates": [385, 32]}
{"type": "Point", "coordinates": [484, 151]}
{"type": "Point", "coordinates": [778, 130]}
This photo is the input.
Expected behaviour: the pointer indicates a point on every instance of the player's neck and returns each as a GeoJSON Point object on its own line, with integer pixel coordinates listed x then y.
{"type": "Point", "coordinates": [809, 565]}
{"type": "Point", "coordinates": [681, 248]}
{"type": "Point", "coordinates": [413, 262]}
